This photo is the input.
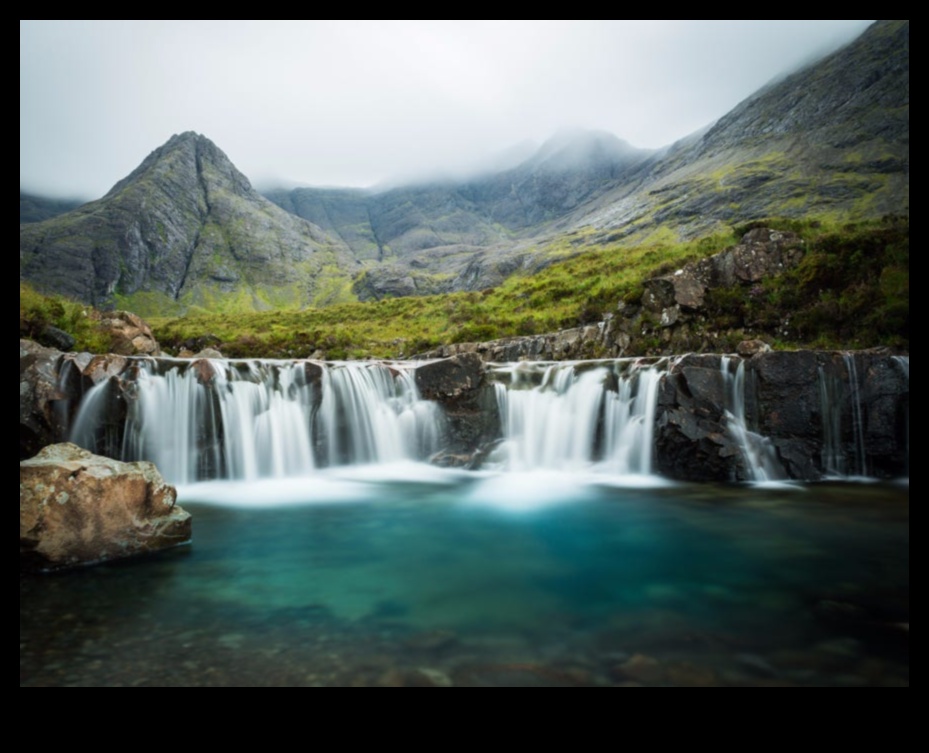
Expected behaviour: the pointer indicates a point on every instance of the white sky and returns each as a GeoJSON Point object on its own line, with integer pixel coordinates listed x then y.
{"type": "Point", "coordinates": [354, 103]}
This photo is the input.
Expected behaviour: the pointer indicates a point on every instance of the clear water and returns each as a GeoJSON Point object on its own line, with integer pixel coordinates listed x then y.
{"type": "Point", "coordinates": [407, 575]}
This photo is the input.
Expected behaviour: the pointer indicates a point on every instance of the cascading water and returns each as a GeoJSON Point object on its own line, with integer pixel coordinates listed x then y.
{"type": "Point", "coordinates": [758, 454]}
{"type": "Point", "coordinates": [567, 416]}
{"type": "Point", "coordinates": [903, 362]}
{"type": "Point", "coordinates": [830, 397]}
{"type": "Point", "coordinates": [836, 397]}
{"type": "Point", "coordinates": [857, 422]}
{"type": "Point", "coordinates": [259, 419]}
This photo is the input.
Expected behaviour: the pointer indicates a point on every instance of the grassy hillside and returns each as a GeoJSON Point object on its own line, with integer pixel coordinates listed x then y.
{"type": "Point", "coordinates": [37, 311]}
{"type": "Point", "coordinates": [851, 290]}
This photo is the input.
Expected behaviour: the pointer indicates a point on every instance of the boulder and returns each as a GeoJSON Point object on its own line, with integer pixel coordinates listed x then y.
{"type": "Point", "coordinates": [761, 253]}
{"type": "Point", "coordinates": [53, 337]}
{"type": "Point", "coordinates": [130, 335]}
{"type": "Point", "coordinates": [458, 385]}
{"type": "Point", "coordinates": [76, 508]}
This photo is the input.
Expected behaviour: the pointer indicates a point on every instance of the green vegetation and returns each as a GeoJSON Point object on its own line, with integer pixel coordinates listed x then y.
{"type": "Point", "coordinates": [37, 311]}
{"type": "Point", "coordinates": [566, 294]}
{"type": "Point", "coordinates": [851, 290]}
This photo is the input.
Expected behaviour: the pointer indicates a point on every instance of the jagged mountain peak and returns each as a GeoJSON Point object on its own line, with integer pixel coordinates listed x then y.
{"type": "Point", "coordinates": [188, 152]}
{"type": "Point", "coordinates": [185, 228]}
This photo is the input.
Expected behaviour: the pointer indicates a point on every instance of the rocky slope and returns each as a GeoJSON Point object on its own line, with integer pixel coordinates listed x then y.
{"type": "Point", "coordinates": [184, 229]}
{"type": "Point", "coordinates": [832, 138]}
{"type": "Point", "coordinates": [425, 238]}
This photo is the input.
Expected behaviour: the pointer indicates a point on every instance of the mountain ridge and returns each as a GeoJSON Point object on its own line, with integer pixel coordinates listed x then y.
{"type": "Point", "coordinates": [829, 139]}
{"type": "Point", "coordinates": [185, 227]}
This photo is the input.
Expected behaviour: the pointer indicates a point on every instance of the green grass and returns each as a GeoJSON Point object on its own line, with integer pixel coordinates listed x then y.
{"type": "Point", "coordinates": [38, 311]}
{"type": "Point", "coordinates": [565, 294]}
{"type": "Point", "coordinates": [850, 290]}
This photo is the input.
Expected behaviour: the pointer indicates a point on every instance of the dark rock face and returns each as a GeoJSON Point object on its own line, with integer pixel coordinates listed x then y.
{"type": "Point", "coordinates": [818, 413]}
{"type": "Point", "coordinates": [40, 423]}
{"type": "Point", "coordinates": [52, 337]}
{"type": "Point", "coordinates": [183, 224]}
{"type": "Point", "coordinates": [785, 403]}
{"type": "Point", "coordinates": [459, 386]}
{"type": "Point", "coordinates": [77, 508]}
{"type": "Point", "coordinates": [692, 442]}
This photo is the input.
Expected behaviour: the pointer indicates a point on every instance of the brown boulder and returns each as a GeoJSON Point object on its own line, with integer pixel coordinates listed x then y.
{"type": "Point", "coordinates": [130, 335]}
{"type": "Point", "coordinates": [76, 508]}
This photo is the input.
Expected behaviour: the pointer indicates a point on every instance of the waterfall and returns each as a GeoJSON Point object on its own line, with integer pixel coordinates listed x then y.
{"type": "Point", "coordinates": [758, 454]}
{"type": "Point", "coordinates": [837, 460]}
{"type": "Point", "coordinates": [569, 416]}
{"type": "Point", "coordinates": [830, 397]}
{"type": "Point", "coordinates": [258, 419]}
{"type": "Point", "coordinates": [857, 423]}
{"type": "Point", "coordinates": [903, 362]}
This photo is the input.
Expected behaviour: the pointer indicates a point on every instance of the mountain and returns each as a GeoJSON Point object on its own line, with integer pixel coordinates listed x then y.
{"type": "Point", "coordinates": [187, 229]}
{"type": "Point", "coordinates": [184, 229]}
{"type": "Point", "coordinates": [35, 208]}
{"type": "Point", "coordinates": [832, 138]}
{"type": "Point", "coordinates": [425, 237]}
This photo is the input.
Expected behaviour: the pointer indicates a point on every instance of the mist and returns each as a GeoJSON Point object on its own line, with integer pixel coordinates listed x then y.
{"type": "Point", "coordinates": [364, 103]}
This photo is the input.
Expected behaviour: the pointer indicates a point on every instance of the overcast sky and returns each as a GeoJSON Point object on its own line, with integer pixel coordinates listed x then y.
{"type": "Point", "coordinates": [354, 103]}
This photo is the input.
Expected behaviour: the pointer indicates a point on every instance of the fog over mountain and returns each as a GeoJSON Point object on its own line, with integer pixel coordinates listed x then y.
{"type": "Point", "coordinates": [360, 103]}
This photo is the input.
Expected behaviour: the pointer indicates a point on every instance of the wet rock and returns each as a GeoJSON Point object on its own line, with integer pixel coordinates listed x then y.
{"type": "Point", "coordinates": [414, 678]}
{"type": "Point", "coordinates": [458, 385]}
{"type": "Point", "coordinates": [39, 423]}
{"type": "Point", "coordinates": [105, 366]}
{"type": "Point", "coordinates": [77, 508]}
{"type": "Point", "coordinates": [691, 441]}
{"type": "Point", "coordinates": [689, 675]}
{"type": "Point", "coordinates": [756, 665]}
{"type": "Point", "coordinates": [515, 676]}
{"type": "Point", "coordinates": [432, 640]}
{"type": "Point", "coordinates": [641, 668]}
{"type": "Point", "coordinates": [204, 370]}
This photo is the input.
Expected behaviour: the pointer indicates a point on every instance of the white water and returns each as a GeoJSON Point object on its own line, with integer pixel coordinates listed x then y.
{"type": "Point", "coordinates": [840, 397]}
{"type": "Point", "coordinates": [861, 465]}
{"type": "Point", "coordinates": [904, 363]}
{"type": "Point", "coordinates": [250, 420]}
{"type": "Point", "coordinates": [263, 419]}
{"type": "Point", "coordinates": [569, 416]}
{"type": "Point", "coordinates": [758, 454]}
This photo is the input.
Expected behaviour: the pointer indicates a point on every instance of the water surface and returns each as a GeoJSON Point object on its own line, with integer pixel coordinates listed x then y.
{"type": "Point", "coordinates": [398, 576]}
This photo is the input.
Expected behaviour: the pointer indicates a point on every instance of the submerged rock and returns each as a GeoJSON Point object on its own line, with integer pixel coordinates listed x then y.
{"type": "Point", "coordinates": [76, 508]}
